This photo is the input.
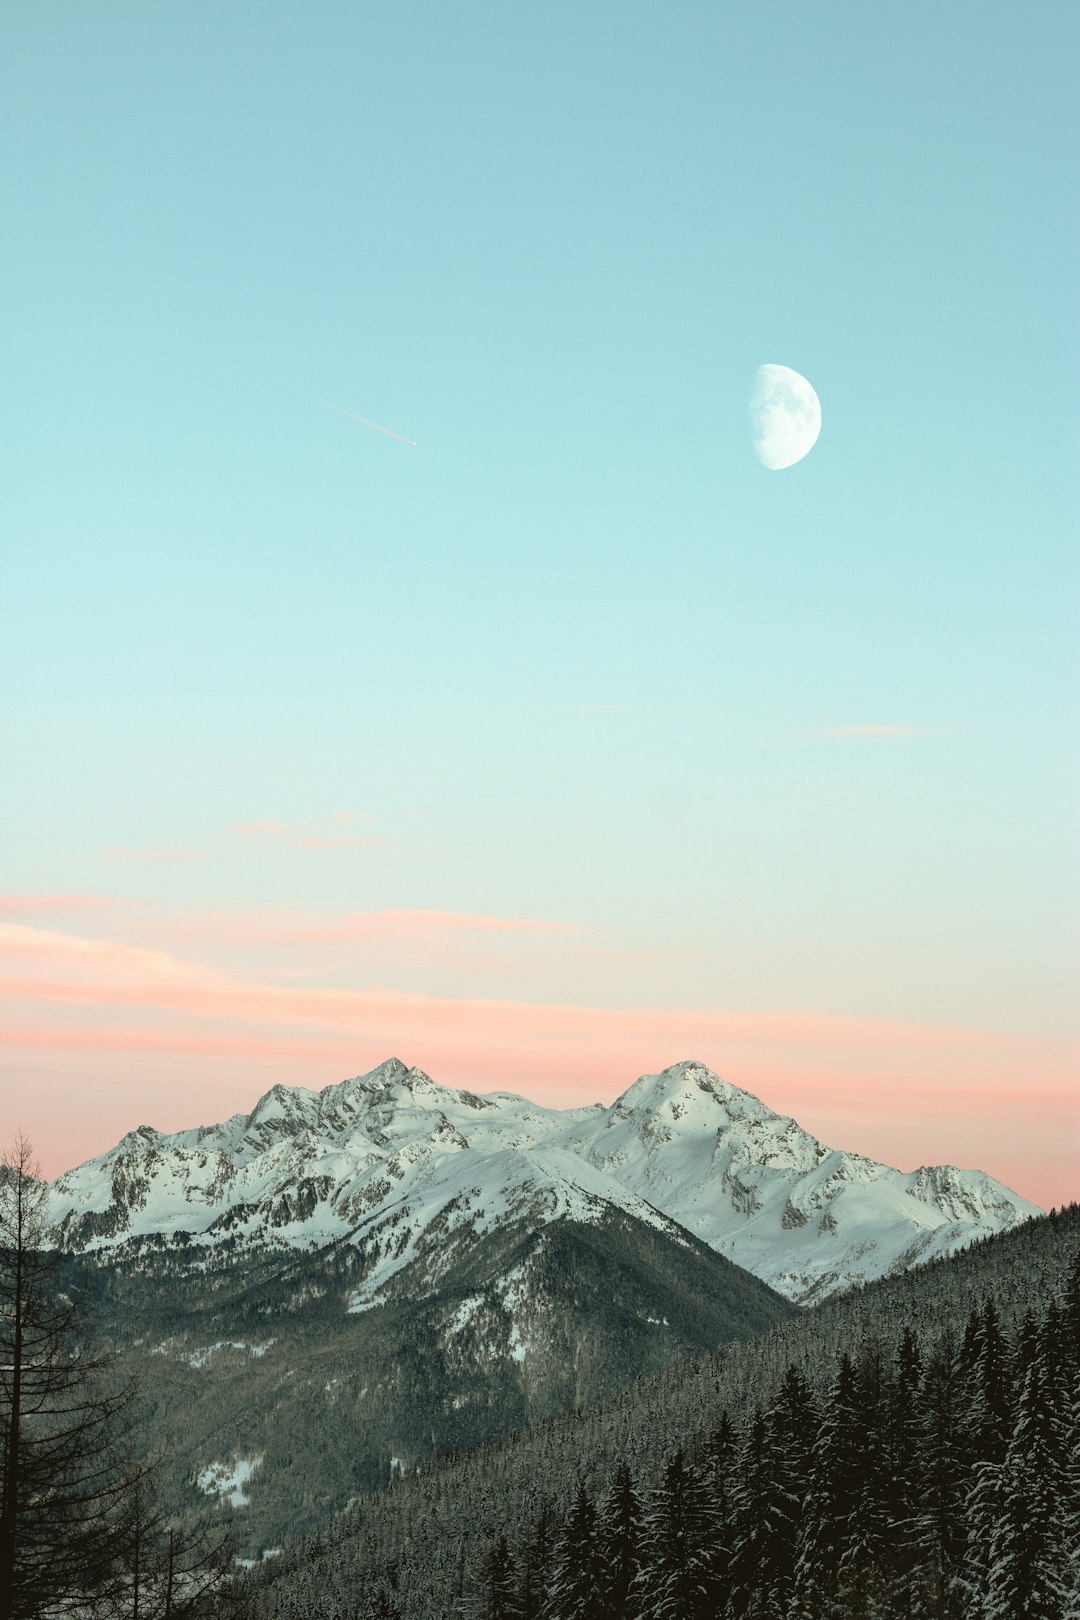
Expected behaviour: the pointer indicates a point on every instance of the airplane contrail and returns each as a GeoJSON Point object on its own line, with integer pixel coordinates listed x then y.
{"type": "Point", "coordinates": [357, 418]}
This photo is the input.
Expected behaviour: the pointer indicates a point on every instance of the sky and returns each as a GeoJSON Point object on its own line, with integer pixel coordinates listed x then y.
{"type": "Point", "coordinates": [569, 742]}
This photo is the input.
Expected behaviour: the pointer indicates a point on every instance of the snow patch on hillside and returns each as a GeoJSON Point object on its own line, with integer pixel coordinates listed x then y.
{"type": "Point", "coordinates": [229, 1481]}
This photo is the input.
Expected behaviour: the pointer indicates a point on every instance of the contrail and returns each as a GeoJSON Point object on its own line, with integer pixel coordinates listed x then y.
{"type": "Point", "coordinates": [356, 418]}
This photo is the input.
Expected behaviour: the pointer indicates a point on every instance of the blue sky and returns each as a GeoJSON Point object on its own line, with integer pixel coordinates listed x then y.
{"type": "Point", "coordinates": [576, 656]}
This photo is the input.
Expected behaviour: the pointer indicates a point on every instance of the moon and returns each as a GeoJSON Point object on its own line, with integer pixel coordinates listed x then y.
{"type": "Point", "coordinates": [785, 416]}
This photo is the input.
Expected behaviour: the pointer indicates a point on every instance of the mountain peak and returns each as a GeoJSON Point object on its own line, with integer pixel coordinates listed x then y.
{"type": "Point", "coordinates": [390, 1075]}
{"type": "Point", "coordinates": [689, 1084]}
{"type": "Point", "coordinates": [281, 1104]}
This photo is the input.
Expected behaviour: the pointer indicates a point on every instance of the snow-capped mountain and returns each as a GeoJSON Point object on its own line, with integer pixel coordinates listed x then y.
{"type": "Point", "coordinates": [408, 1171]}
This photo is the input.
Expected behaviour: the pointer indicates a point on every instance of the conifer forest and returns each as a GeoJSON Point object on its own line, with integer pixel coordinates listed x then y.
{"type": "Point", "coordinates": [909, 1452]}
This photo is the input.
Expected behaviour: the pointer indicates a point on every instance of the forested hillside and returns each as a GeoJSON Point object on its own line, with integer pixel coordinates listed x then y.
{"type": "Point", "coordinates": [906, 1452]}
{"type": "Point", "coordinates": [253, 1361]}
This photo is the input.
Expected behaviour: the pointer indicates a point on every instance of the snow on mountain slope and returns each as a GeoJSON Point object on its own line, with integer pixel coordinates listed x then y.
{"type": "Point", "coordinates": [408, 1169]}
{"type": "Point", "coordinates": [758, 1188]}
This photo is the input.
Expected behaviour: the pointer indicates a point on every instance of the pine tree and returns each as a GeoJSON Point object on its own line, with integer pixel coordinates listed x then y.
{"type": "Point", "coordinates": [678, 1578]}
{"type": "Point", "coordinates": [64, 1419]}
{"type": "Point", "coordinates": [990, 1383]}
{"type": "Point", "coordinates": [1028, 1574]}
{"type": "Point", "coordinates": [829, 1523]}
{"type": "Point", "coordinates": [620, 1537]}
{"type": "Point", "coordinates": [720, 1465]}
{"type": "Point", "coordinates": [941, 1523]}
{"type": "Point", "coordinates": [576, 1584]}
{"type": "Point", "coordinates": [1070, 1319]}
{"type": "Point", "coordinates": [499, 1594]}
{"type": "Point", "coordinates": [1070, 1495]}
{"type": "Point", "coordinates": [537, 1561]}
{"type": "Point", "coordinates": [793, 1426]}
{"type": "Point", "coordinates": [862, 1573]}
{"type": "Point", "coordinates": [751, 1566]}
{"type": "Point", "coordinates": [903, 1450]}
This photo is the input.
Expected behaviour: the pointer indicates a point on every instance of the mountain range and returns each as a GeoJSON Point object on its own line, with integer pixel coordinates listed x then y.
{"type": "Point", "coordinates": [341, 1288]}
{"type": "Point", "coordinates": [410, 1174]}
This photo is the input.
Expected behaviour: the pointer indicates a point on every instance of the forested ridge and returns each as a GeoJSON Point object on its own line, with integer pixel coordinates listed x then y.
{"type": "Point", "coordinates": [249, 1354]}
{"type": "Point", "coordinates": [906, 1452]}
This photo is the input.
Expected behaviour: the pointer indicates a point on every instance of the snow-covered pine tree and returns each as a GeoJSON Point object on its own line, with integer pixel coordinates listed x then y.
{"type": "Point", "coordinates": [678, 1578]}
{"type": "Point", "coordinates": [990, 1416]}
{"type": "Point", "coordinates": [1028, 1574]}
{"type": "Point", "coordinates": [828, 1526]}
{"type": "Point", "coordinates": [575, 1591]}
{"type": "Point", "coordinates": [621, 1519]}
{"type": "Point", "coordinates": [498, 1597]}
{"type": "Point", "coordinates": [720, 1466]}
{"type": "Point", "coordinates": [750, 1563]}
{"type": "Point", "coordinates": [1070, 1317]}
{"type": "Point", "coordinates": [861, 1571]}
{"type": "Point", "coordinates": [904, 1463]}
{"type": "Point", "coordinates": [793, 1425]}
{"type": "Point", "coordinates": [941, 1523]}
{"type": "Point", "coordinates": [537, 1559]}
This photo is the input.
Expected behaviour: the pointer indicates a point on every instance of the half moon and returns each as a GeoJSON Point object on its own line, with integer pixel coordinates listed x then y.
{"type": "Point", "coordinates": [785, 416]}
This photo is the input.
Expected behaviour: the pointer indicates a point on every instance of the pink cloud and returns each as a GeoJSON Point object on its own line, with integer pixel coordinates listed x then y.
{"type": "Point", "coordinates": [26, 905]}
{"type": "Point", "coordinates": [414, 923]}
{"type": "Point", "coordinates": [305, 834]}
{"type": "Point", "coordinates": [436, 931]}
{"type": "Point", "coordinates": [338, 841]}
{"type": "Point", "coordinates": [265, 829]}
{"type": "Point", "coordinates": [908, 1093]}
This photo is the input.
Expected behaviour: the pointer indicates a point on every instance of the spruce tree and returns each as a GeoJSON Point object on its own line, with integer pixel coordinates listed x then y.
{"type": "Point", "coordinates": [1028, 1575]}
{"type": "Point", "coordinates": [499, 1588]}
{"type": "Point", "coordinates": [720, 1465]}
{"type": "Point", "coordinates": [678, 1577]}
{"type": "Point", "coordinates": [990, 1383]}
{"type": "Point", "coordinates": [620, 1544]}
{"type": "Point", "coordinates": [1070, 1320]}
{"type": "Point", "coordinates": [903, 1449]}
{"type": "Point", "coordinates": [793, 1427]}
{"type": "Point", "coordinates": [751, 1566]}
{"type": "Point", "coordinates": [576, 1585]}
{"type": "Point", "coordinates": [941, 1522]}
{"type": "Point", "coordinates": [829, 1523]}
{"type": "Point", "coordinates": [537, 1560]}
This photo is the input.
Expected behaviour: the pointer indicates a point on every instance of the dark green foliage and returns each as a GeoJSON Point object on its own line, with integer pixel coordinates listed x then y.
{"type": "Point", "coordinates": [677, 1577]}
{"type": "Point", "coordinates": [1023, 1516]}
{"type": "Point", "coordinates": [575, 1590]}
{"type": "Point", "coordinates": [834, 1470]}
{"type": "Point", "coordinates": [538, 1561]}
{"type": "Point", "coordinates": [499, 1597]}
{"type": "Point", "coordinates": [832, 1552]}
{"type": "Point", "coordinates": [621, 1524]}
